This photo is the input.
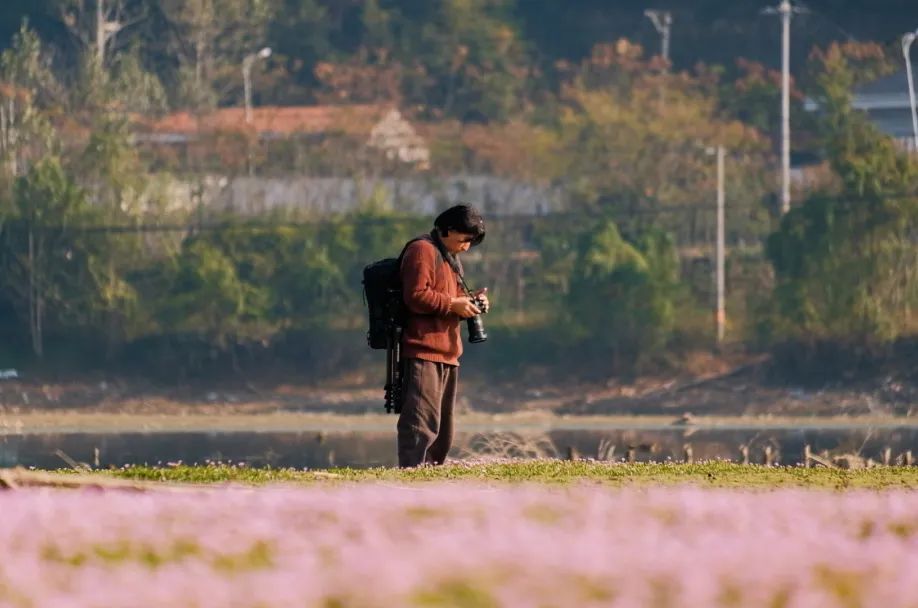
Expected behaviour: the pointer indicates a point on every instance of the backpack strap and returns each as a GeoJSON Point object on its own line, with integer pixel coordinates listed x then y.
{"type": "Point", "coordinates": [423, 237]}
{"type": "Point", "coordinates": [431, 238]}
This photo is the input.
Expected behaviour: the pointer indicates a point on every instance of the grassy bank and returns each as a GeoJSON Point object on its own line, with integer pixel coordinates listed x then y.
{"type": "Point", "coordinates": [712, 474]}
{"type": "Point", "coordinates": [69, 421]}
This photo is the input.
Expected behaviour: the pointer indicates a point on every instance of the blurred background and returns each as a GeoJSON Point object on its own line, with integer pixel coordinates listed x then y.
{"type": "Point", "coordinates": [190, 189]}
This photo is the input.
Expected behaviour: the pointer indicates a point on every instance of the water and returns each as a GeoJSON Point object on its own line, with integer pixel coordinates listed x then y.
{"type": "Point", "coordinates": [314, 449]}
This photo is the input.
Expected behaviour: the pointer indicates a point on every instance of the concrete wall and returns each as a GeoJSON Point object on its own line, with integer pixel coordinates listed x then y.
{"type": "Point", "coordinates": [323, 196]}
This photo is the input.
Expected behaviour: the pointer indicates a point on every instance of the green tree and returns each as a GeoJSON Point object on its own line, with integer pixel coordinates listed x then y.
{"type": "Point", "coordinates": [210, 40]}
{"type": "Point", "coordinates": [99, 26]}
{"type": "Point", "coordinates": [302, 38]}
{"type": "Point", "coordinates": [475, 61]}
{"type": "Point", "coordinates": [27, 90]}
{"type": "Point", "coordinates": [355, 240]}
{"type": "Point", "coordinates": [302, 285]}
{"type": "Point", "coordinates": [455, 58]}
{"type": "Point", "coordinates": [48, 261]}
{"type": "Point", "coordinates": [205, 296]}
{"type": "Point", "coordinates": [845, 260]}
{"type": "Point", "coordinates": [135, 88]}
{"type": "Point", "coordinates": [109, 56]}
{"type": "Point", "coordinates": [110, 170]}
{"type": "Point", "coordinates": [623, 295]}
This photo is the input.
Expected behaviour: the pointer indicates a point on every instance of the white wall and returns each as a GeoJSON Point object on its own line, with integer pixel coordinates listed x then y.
{"type": "Point", "coordinates": [322, 196]}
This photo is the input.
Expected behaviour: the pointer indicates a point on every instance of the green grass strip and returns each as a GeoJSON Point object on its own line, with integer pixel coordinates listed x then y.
{"type": "Point", "coordinates": [713, 474]}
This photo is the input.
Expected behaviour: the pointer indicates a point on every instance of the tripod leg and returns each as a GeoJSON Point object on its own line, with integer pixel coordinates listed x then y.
{"type": "Point", "coordinates": [391, 372]}
{"type": "Point", "coordinates": [398, 370]}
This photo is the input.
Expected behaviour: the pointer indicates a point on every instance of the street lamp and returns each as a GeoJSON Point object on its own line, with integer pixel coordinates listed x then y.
{"type": "Point", "coordinates": [247, 78]}
{"type": "Point", "coordinates": [907, 41]}
{"type": "Point", "coordinates": [662, 22]}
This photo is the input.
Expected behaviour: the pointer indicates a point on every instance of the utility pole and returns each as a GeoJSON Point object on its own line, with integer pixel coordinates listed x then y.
{"type": "Point", "coordinates": [721, 312]}
{"type": "Point", "coordinates": [662, 22]}
{"type": "Point", "coordinates": [907, 40]}
{"type": "Point", "coordinates": [785, 10]}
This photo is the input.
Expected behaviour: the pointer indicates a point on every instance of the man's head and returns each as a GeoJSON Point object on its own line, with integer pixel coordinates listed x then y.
{"type": "Point", "coordinates": [460, 228]}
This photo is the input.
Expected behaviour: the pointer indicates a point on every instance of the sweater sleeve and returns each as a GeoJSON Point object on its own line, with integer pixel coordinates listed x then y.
{"type": "Point", "coordinates": [418, 273]}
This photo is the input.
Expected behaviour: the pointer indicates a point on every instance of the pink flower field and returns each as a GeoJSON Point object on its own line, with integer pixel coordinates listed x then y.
{"type": "Point", "coordinates": [458, 545]}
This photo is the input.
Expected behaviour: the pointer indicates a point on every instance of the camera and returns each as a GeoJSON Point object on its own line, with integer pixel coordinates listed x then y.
{"type": "Point", "coordinates": [476, 328]}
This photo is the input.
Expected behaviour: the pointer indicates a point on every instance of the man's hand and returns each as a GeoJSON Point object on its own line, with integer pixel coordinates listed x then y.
{"type": "Point", "coordinates": [463, 307]}
{"type": "Point", "coordinates": [482, 295]}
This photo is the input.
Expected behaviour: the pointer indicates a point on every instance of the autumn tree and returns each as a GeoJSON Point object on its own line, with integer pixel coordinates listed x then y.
{"type": "Point", "coordinates": [627, 150]}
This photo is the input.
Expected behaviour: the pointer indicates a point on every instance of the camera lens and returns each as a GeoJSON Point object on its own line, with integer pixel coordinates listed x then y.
{"type": "Point", "coordinates": [477, 331]}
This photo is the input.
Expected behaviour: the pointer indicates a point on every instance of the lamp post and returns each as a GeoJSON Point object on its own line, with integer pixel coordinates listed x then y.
{"type": "Point", "coordinates": [907, 40]}
{"type": "Point", "coordinates": [247, 63]}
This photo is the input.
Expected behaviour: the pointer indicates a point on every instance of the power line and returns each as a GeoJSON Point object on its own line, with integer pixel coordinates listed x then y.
{"type": "Point", "coordinates": [377, 220]}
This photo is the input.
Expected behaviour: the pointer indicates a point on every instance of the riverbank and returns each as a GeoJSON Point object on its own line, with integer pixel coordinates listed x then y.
{"type": "Point", "coordinates": [736, 390]}
{"type": "Point", "coordinates": [41, 422]}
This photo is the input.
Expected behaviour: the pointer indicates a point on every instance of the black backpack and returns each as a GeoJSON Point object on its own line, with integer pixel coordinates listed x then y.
{"type": "Point", "coordinates": [382, 290]}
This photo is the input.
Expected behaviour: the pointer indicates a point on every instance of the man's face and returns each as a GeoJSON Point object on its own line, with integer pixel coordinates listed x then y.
{"type": "Point", "coordinates": [457, 242]}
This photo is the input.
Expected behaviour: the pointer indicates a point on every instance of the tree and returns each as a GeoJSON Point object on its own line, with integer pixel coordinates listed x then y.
{"type": "Point", "coordinates": [210, 39]}
{"type": "Point", "coordinates": [206, 296]}
{"type": "Point", "coordinates": [456, 58]}
{"type": "Point", "coordinates": [366, 77]}
{"type": "Point", "coordinates": [754, 98]}
{"type": "Point", "coordinates": [292, 264]}
{"type": "Point", "coordinates": [46, 260]}
{"type": "Point", "coordinates": [475, 62]}
{"type": "Point", "coordinates": [845, 261]}
{"type": "Point", "coordinates": [623, 294]}
{"type": "Point", "coordinates": [626, 151]}
{"type": "Point", "coordinates": [98, 25]}
{"type": "Point", "coordinates": [303, 38]}
{"type": "Point", "coordinates": [27, 88]}
{"type": "Point", "coordinates": [110, 170]}
{"type": "Point", "coordinates": [374, 72]}
{"type": "Point", "coordinates": [111, 66]}
{"type": "Point", "coordinates": [134, 88]}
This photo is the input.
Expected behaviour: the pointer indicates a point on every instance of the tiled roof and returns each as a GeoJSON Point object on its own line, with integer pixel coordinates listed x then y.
{"type": "Point", "coordinates": [354, 119]}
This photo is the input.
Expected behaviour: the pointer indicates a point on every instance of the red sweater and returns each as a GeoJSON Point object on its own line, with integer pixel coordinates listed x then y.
{"type": "Point", "coordinates": [429, 284]}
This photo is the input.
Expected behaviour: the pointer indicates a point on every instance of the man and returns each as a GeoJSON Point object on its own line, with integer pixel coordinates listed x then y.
{"type": "Point", "coordinates": [431, 342]}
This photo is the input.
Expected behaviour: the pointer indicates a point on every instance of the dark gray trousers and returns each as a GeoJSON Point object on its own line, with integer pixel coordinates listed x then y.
{"type": "Point", "coordinates": [425, 426]}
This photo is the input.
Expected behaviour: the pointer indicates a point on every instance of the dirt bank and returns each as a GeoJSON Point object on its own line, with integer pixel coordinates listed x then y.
{"type": "Point", "coordinates": [738, 387]}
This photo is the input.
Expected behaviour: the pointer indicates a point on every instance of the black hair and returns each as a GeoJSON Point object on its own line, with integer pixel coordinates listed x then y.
{"type": "Point", "coordinates": [462, 218]}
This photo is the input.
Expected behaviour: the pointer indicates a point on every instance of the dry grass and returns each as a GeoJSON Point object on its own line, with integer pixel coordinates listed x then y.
{"type": "Point", "coordinates": [508, 445]}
